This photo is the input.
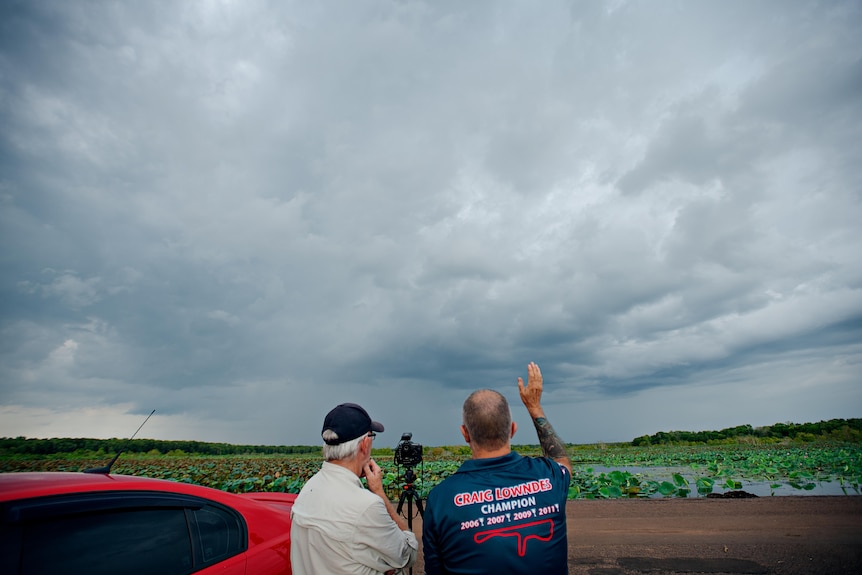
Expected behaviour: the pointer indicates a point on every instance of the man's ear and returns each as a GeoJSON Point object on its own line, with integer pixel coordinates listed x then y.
{"type": "Point", "coordinates": [465, 433]}
{"type": "Point", "coordinates": [514, 430]}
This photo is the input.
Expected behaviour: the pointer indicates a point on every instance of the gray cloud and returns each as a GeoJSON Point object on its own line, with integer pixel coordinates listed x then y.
{"type": "Point", "coordinates": [240, 214]}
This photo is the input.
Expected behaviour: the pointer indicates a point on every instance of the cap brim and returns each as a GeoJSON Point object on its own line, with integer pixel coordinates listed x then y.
{"type": "Point", "coordinates": [376, 426]}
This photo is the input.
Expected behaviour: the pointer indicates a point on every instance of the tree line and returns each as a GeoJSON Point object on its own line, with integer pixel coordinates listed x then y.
{"type": "Point", "coordinates": [831, 430]}
{"type": "Point", "coordinates": [30, 446]}
{"type": "Point", "coordinates": [849, 430]}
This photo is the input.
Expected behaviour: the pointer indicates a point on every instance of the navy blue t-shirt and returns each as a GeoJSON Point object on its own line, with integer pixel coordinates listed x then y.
{"type": "Point", "coordinates": [500, 515]}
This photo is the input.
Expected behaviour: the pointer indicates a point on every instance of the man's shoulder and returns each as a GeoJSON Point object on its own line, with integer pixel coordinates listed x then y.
{"type": "Point", "coordinates": [542, 462]}
{"type": "Point", "coordinates": [476, 473]}
{"type": "Point", "coordinates": [452, 484]}
{"type": "Point", "coordinates": [518, 468]}
{"type": "Point", "coordinates": [327, 485]}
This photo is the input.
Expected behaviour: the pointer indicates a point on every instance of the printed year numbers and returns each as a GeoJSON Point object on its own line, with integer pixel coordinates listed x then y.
{"type": "Point", "coordinates": [555, 508]}
{"type": "Point", "coordinates": [529, 514]}
{"type": "Point", "coordinates": [496, 520]}
{"type": "Point", "coordinates": [473, 523]}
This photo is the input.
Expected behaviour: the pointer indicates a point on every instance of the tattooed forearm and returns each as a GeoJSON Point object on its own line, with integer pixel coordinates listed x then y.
{"type": "Point", "coordinates": [552, 445]}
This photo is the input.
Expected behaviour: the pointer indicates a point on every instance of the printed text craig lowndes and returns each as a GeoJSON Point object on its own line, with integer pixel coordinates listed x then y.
{"type": "Point", "coordinates": [491, 498]}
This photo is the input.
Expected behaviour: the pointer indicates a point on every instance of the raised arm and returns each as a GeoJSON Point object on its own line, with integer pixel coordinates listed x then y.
{"type": "Point", "coordinates": [531, 396]}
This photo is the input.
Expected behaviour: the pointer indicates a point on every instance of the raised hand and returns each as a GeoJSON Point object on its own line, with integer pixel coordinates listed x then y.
{"type": "Point", "coordinates": [531, 395]}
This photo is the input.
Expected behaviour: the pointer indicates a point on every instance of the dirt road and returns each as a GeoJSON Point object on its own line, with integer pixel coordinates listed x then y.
{"type": "Point", "coordinates": [762, 536]}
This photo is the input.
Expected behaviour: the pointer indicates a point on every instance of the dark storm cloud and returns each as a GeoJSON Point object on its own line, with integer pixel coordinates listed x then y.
{"type": "Point", "coordinates": [238, 213]}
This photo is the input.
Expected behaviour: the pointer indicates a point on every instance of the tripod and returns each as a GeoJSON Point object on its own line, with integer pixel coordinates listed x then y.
{"type": "Point", "coordinates": [409, 494]}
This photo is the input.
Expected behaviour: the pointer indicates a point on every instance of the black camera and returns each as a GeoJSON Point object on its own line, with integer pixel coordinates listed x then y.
{"type": "Point", "coordinates": [408, 454]}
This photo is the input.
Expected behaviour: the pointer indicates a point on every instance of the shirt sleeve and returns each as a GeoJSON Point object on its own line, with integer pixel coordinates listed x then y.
{"type": "Point", "coordinates": [566, 480]}
{"type": "Point", "coordinates": [381, 544]}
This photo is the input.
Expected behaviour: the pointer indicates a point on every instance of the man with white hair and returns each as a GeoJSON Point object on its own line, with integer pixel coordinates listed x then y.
{"type": "Point", "coordinates": [338, 525]}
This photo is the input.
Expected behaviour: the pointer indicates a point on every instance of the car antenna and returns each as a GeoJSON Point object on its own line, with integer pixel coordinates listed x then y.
{"type": "Point", "coordinates": [107, 469]}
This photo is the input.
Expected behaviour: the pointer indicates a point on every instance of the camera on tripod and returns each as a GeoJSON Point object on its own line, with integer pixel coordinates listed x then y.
{"type": "Point", "coordinates": [407, 453]}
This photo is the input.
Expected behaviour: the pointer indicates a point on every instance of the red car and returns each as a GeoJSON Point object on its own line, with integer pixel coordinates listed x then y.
{"type": "Point", "coordinates": [101, 523]}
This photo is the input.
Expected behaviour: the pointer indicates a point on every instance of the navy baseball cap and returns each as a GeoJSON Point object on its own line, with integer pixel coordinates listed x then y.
{"type": "Point", "coordinates": [349, 421]}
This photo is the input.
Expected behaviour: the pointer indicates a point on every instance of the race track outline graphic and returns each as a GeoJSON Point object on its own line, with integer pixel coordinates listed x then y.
{"type": "Point", "coordinates": [525, 532]}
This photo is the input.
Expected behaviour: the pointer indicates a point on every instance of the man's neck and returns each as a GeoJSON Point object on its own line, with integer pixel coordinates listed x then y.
{"type": "Point", "coordinates": [478, 453]}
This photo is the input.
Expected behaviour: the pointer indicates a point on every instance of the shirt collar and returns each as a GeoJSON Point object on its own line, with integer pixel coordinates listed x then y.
{"type": "Point", "coordinates": [489, 463]}
{"type": "Point", "coordinates": [342, 473]}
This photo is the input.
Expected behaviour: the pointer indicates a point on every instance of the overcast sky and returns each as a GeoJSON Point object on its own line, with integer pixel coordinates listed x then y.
{"type": "Point", "coordinates": [240, 214]}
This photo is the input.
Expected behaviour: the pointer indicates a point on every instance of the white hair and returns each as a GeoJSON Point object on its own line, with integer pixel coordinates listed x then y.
{"type": "Point", "coordinates": [341, 452]}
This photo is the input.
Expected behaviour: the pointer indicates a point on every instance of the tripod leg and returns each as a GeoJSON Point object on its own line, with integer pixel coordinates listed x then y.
{"type": "Point", "coordinates": [419, 507]}
{"type": "Point", "coordinates": [409, 494]}
{"type": "Point", "coordinates": [401, 501]}
{"type": "Point", "coordinates": [410, 511]}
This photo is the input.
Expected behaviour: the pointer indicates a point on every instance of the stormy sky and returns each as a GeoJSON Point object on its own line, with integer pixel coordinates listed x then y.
{"type": "Point", "coordinates": [240, 214]}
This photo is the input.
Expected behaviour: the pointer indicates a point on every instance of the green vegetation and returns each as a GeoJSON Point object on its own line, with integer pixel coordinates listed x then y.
{"type": "Point", "coordinates": [84, 447]}
{"type": "Point", "coordinates": [682, 471]}
{"type": "Point", "coordinates": [675, 464]}
{"type": "Point", "coordinates": [841, 430]}
{"type": "Point", "coordinates": [598, 472]}
{"type": "Point", "coordinates": [834, 429]}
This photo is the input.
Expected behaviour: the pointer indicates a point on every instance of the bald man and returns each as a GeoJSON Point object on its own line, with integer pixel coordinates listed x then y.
{"type": "Point", "coordinates": [501, 512]}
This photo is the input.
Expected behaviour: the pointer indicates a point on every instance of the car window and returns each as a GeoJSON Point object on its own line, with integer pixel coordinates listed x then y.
{"type": "Point", "coordinates": [134, 533]}
{"type": "Point", "coordinates": [219, 534]}
{"type": "Point", "coordinates": [134, 542]}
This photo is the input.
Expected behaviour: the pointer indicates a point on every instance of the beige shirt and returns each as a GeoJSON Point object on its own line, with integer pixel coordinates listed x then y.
{"type": "Point", "coordinates": [341, 527]}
